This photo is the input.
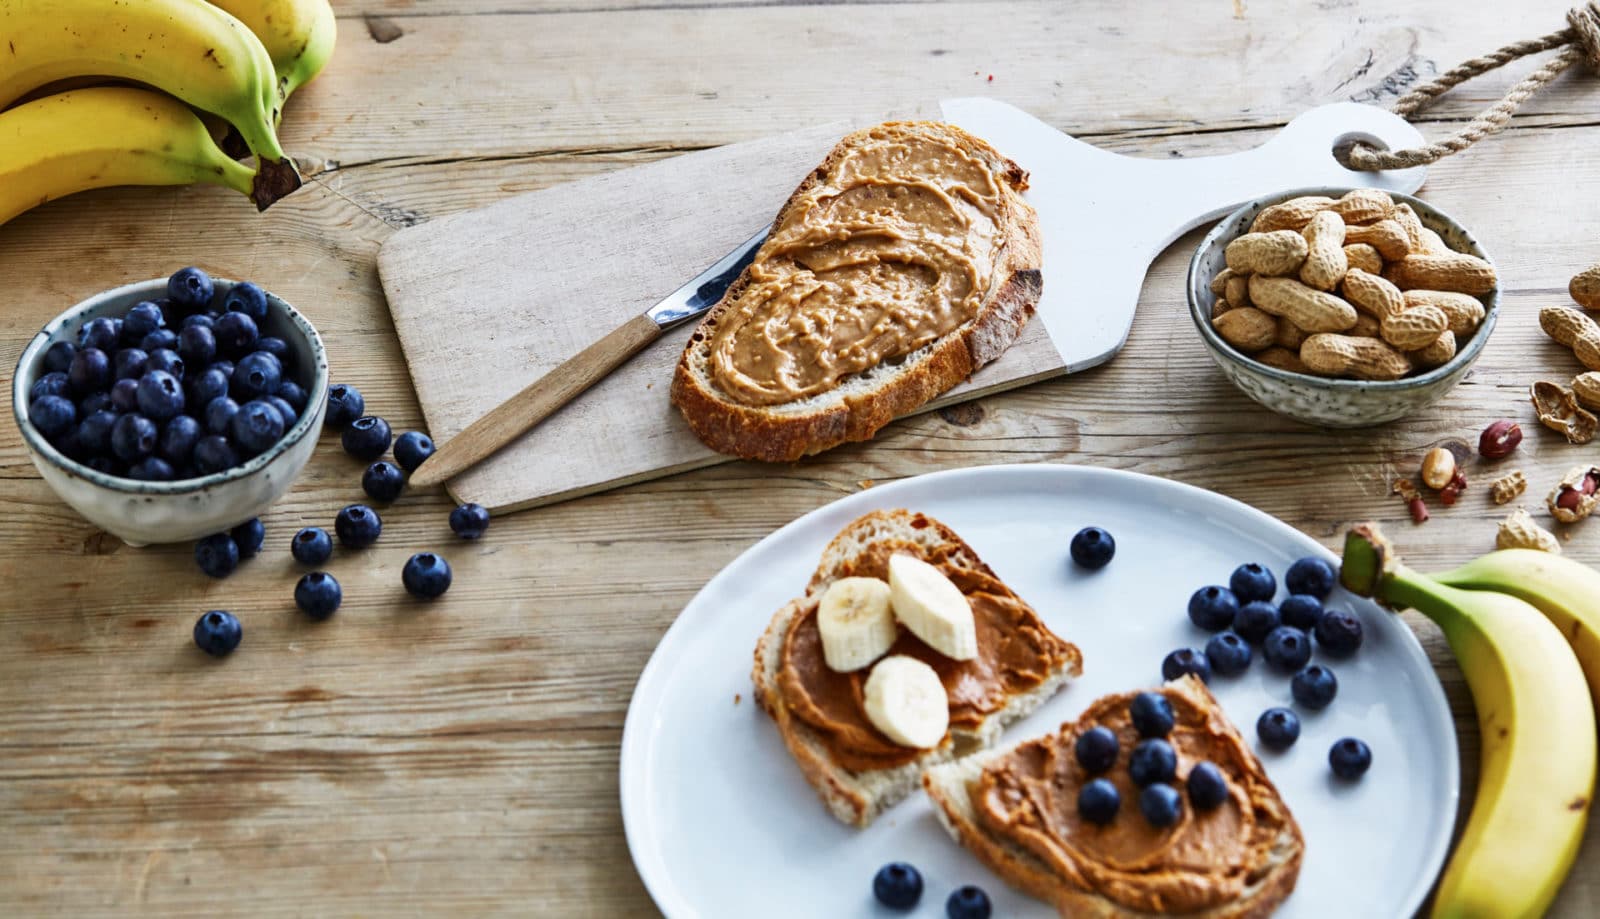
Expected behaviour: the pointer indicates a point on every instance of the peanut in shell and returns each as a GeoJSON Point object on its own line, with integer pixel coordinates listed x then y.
{"type": "Point", "coordinates": [1280, 252]}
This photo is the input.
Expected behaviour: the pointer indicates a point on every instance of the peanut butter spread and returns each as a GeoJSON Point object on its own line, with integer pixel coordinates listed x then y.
{"type": "Point", "coordinates": [1207, 858]}
{"type": "Point", "coordinates": [1016, 653]}
{"type": "Point", "coordinates": [897, 244]}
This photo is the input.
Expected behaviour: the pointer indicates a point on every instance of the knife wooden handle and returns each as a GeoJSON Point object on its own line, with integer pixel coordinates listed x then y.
{"type": "Point", "coordinates": [538, 401]}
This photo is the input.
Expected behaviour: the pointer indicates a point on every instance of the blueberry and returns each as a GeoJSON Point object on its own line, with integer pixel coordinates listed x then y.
{"type": "Point", "coordinates": [213, 454]}
{"type": "Point", "coordinates": [245, 297]}
{"type": "Point", "coordinates": [236, 334]}
{"type": "Point", "coordinates": [102, 334]}
{"type": "Point", "coordinates": [290, 392]}
{"type": "Point", "coordinates": [1314, 687]}
{"type": "Point", "coordinates": [1228, 654]}
{"type": "Point", "coordinates": [105, 464]}
{"type": "Point", "coordinates": [1301, 611]}
{"type": "Point", "coordinates": [968, 902]}
{"type": "Point", "coordinates": [1287, 648]}
{"type": "Point", "coordinates": [897, 885]}
{"type": "Point", "coordinates": [1183, 661]}
{"type": "Point", "coordinates": [93, 436]}
{"type": "Point", "coordinates": [125, 396]}
{"type": "Point", "coordinates": [197, 345]}
{"type": "Point", "coordinates": [129, 363]}
{"type": "Point", "coordinates": [144, 318]}
{"type": "Point", "coordinates": [1099, 801]}
{"type": "Point", "coordinates": [1255, 620]}
{"type": "Point", "coordinates": [1096, 749]}
{"type": "Point", "coordinates": [367, 438]}
{"type": "Point", "coordinates": [1338, 633]}
{"type": "Point", "coordinates": [202, 319]}
{"type": "Point", "coordinates": [1350, 758]}
{"type": "Point", "coordinates": [160, 395]}
{"type": "Point", "coordinates": [167, 360]}
{"type": "Point", "coordinates": [469, 521]}
{"type": "Point", "coordinates": [152, 469]}
{"type": "Point", "coordinates": [160, 338]}
{"type": "Point", "coordinates": [382, 481]}
{"type": "Point", "coordinates": [190, 288]}
{"type": "Point", "coordinates": [344, 405]}
{"type": "Point", "coordinates": [217, 633]}
{"type": "Point", "coordinates": [1161, 804]}
{"type": "Point", "coordinates": [311, 546]}
{"type": "Point", "coordinates": [1151, 714]}
{"type": "Point", "coordinates": [52, 415]}
{"type": "Point", "coordinates": [1093, 547]}
{"type": "Point", "coordinates": [1152, 761]}
{"type": "Point", "coordinates": [357, 526]}
{"type": "Point", "coordinates": [411, 448]}
{"type": "Point", "coordinates": [318, 595]}
{"type": "Point", "coordinates": [249, 536]}
{"type": "Point", "coordinates": [217, 555]}
{"type": "Point", "coordinates": [1253, 581]}
{"type": "Point", "coordinates": [205, 387]}
{"type": "Point", "coordinates": [133, 437]}
{"type": "Point", "coordinates": [58, 357]}
{"type": "Point", "coordinates": [426, 575]}
{"type": "Point", "coordinates": [289, 415]}
{"type": "Point", "coordinates": [177, 440]}
{"type": "Point", "coordinates": [1278, 728]}
{"type": "Point", "coordinates": [274, 346]}
{"type": "Point", "coordinates": [1311, 576]}
{"type": "Point", "coordinates": [219, 414]}
{"type": "Point", "coordinates": [94, 402]}
{"type": "Point", "coordinates": [224, 365]}
{"type": "Point", "coordinates": [54, 383]}
{"type": "Point", "coordinates": [1213, 608]}
{"type": "Point", "coordinates": [256, 427]}
{"type": "Point", "coordinates": [1207, 787]}
{"type": "Point", "coordinates": [256, 375]}
{"type": "Point", "coordinates": [90, 371]}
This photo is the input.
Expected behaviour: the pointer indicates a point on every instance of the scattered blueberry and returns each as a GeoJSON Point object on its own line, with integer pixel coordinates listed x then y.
{"type": "Point", "coordinates": [249, 536]}
{"type": "Point", "coordinates": [236, 334]}
{"type": "Point", "coordinates": [1213, 608]}
{"type": "Point", "coordinates": [190, 288]}
{"type": "Point", "coordinates": [1350, 758]}
{"type": "Point", "coordinates": [345, 405]}
{"type": "Point", "coordinates": [367, 438]}
{"type": "Point", "coordinates": [245, 297]}
{"type": "Point", "coordinates": [1311, 576]}
{"type": "Point", "coordinates": [129, 364]}
{"type": "Point", "coordinates": [205, 387]}
{"type": "Point", "coordinates": [102, 334]}
{"type": "Point", "coordinates": [164, 359]}
{"type": "Point", "coordinates": [1093, 548]}
{"type": "Point", "coordinates": [125, 396]}
{"type": "Point", "coordinates": [58, 357]}
{"type": "Point", "coordinates": [217, 633]}
{"type": "Point", "coordinates": [197, 345]}
{"type": "Point", "coordinates": [357, 526]}
{"type": "Point", "coordinates": [160, 338]}
{"type": "Point", "coordinates": [290, 392]}
{"type": "Point", "coordinates": [1255, 621]}
{"type": "Point", "coordinates": [152, 469]}
{"type": "Point", "coordinates": [968, 902]}
{"type": "Point", "coordinates": [256, 375]}
{"type": "Point", "coordinates": [1096, 749]}
{"type": "Point", "coordinates": [1252, 581]}
{"type": "Point", "coordinates": [383, 481]}
{"type": "Point", "coordinates": [1161, 804]}
{"type": "Point", "coordinates": [219, 415]}
{"type": "Point", "coordinates": [274, 346]}
{"type": "Point", "coordinates": [177, 439]}
{"type": "Point", "coordinates": [93, 435]}
{"type": "Point", "coordinates": [54, 383]}
{"type": "Point", "coordinates": [318, 595]}
{"type": "Point", "coordinates": [1278, 728]}
{"type": "Point", "coordinates": [411, 448]}
{"type": "Point", "coordinates": [217, 555]}
{"type": "Point", "coordinates": [1207, 787]}
{"type": "Point", "coordinates": [1099, 801]}
{"type": "Point", "coordinates": [1301, 611]}
{"type": "Point", "coordinates": [469, 521]}
{"type": "Point", "coordinates": [160, 395]}
{"type": "Point", "coordinates": [90, 371]}
{"type": "Point", "coordinates": [426, 575]}
{"type": "Point", "coordinates": [1228, 654]}
{"type": "Point", "coordinates": [311, 546]}
{"type": "Point", "coordinates": [1152, 761]}
{"type": "Point", "coordinates": [133, 437]}
{"type": "Point", "coordinates": [1183, 661]}
{"type": "Point", "coordinates": [52, 415]}
{"type": "Point", "coordinates": [1287, 648]}
{"type": "Point", "coordinates": [1314, 687]}
{"type": "Point", "coordinates": [897, 885]}
{"type": "Point", "coordinates": [1338, 633]}
{"type": "Point", "coordinates": [145, 317]}
{"type": "Point", "coordinates": [257, 426]}
{"type": "Point", "coordinates": [1151, 714]}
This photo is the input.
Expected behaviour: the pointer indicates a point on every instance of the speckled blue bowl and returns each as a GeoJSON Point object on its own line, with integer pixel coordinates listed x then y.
{"type": "Point", "coordinates": [1319, 400]}
{"type": "Point", "coordinates": [138, 512]}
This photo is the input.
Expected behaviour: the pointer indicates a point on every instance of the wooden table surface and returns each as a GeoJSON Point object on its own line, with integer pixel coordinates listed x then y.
{"type": "Point", "coordinates": [462, 757]}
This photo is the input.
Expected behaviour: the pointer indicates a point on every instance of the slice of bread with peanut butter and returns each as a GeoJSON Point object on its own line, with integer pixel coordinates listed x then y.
{"type": "Point", "coordinates": [1016, 809]}
{"type": "Point", "coordinates": [903, 263]}
{"type": "Point", "coordinates": [825, 716]}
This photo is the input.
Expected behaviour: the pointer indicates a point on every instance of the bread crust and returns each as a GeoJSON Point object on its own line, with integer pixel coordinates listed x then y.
{"type": "Point", "coordinates": [760, 433]}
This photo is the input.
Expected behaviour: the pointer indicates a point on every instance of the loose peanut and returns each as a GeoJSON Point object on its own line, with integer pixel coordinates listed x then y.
{"type": "Point", "coordinates": [1434, 244]}
{"type": "Point", "coordinates": [1508, 487]}
{"type": "Point", "coordinates": [1325, 261]}
{"type": "Point", "coordinates": [1574, 496]}
{"type": "Point", "coordinates": [1387, 236]}
{"type": "Point", "coordinates": [1559, 410]}
{"type": "Point", "coordinates": [1362, 358]}
{"type": "Point", "coordinates": [1290, 215]}
{"type": "Point", "coordinates": [1585, 288]}
{"type": "Point", "coordinates": [1283, 359]}
{"type": "Point", "coordinates": [1586, 389]}
{"type": "Point", "coordinates": [1363, 256]}
{"type": "Point", "coordinates": [1414, 329]}
{"type": "Point", "coordinates": [1219, 284]}
{"type": "Point", "coordinates": [1411, 223]}
{"type": "Point", "coordinates": [1310, 309]}
{"type": "Point", "coordinates": [1587, 350]}
{"type": "Point", "coordinates": [1364, 205]}
{"type": "Point", "coordinates": [1437, 354]}
{"type": "Point", "coordinates": [1520, 532]}
{"type": "Point", "coordinates": [1246, 328]}
{"type": "Point", "coordinates": [1289, 335]}
{"type": "Point", "coordinates": [1371, 294]}
{"type": "Point", "coordinates": [1438, 468]}
{"type": "Point", "coordinates": [1365, 327]}
{"type": "Point", "coordinates": [1567, 326]}
{"type": "Point", "coordinates": [1465, 311]}
{"type": "Point", "coordinates": [1277, 253]}
{"type": "Point", "coordinates": [1500, 439]}
{"type": "Point", "coordinates": [1238, 290]}
{"type": "Point", "coordinates": [1458, 271]}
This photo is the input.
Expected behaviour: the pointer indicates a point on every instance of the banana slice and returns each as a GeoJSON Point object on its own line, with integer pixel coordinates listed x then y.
{"type": "Point", "coordinates": [932, 607]}
{"type": "Point", "coordinates": [856, 624]}
{"type": "Point", "coordinates": [906, 701]}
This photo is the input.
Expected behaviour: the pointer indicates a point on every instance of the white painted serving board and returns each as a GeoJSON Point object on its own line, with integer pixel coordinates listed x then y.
{"type": "Point", "coordinates": [486, 301]}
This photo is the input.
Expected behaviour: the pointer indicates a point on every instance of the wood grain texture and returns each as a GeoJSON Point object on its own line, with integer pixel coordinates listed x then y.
{"type": "Point", "coordinates": [461, 757]}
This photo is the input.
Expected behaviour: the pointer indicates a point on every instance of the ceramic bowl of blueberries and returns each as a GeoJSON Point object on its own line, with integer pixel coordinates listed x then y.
{"type": "Point", "coordinates": [169, 409]}
{"type": "Point", "coordinates": [1326, 401]}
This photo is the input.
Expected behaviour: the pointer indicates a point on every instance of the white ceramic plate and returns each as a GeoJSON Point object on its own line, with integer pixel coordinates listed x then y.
{"type": "Point", "coordinates": [721, 823]}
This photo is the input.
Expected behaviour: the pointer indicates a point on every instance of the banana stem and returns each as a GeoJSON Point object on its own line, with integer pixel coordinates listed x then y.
{"type": "Point", "coordinates": [272, 180]}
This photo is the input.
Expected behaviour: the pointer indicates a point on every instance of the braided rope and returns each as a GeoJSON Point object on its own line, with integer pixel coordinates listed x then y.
{"type": "Point", "coordinates": [1580, 41]}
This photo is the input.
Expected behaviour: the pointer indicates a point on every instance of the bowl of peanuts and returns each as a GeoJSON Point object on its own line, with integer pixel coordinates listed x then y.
{"type": "Point", "coordinates": [1341, 307]}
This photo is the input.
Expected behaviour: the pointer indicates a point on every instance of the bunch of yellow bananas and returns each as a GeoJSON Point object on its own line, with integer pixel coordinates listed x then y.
{"type": "Point", "coordinates": [237, 60]}
{"type": "Point", "coordinates": [1525, 628]}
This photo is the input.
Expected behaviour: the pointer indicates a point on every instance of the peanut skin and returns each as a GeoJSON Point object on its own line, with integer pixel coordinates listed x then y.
{"type": "Point", "coordinates": [1310, 309]}
{"type": "Point", "coordinates": [1325, 262]}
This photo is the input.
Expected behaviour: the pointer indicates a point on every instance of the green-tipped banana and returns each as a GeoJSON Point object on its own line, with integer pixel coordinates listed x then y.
{"type": "Point", "coordinates": [188, 48]}
{"type": "Point", "coordinates": [1537, 736]}
{"type": "Point", "coordinates": [299, 34]}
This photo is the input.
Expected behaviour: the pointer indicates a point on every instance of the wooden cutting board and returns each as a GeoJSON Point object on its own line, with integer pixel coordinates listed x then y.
{"type": "Point", "coordinates": [486, 301]}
